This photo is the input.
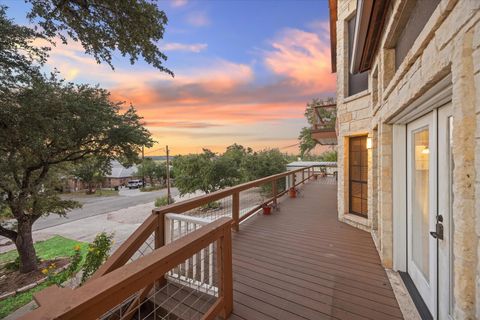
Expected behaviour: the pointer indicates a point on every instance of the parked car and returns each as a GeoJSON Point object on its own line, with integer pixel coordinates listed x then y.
{"type": "Point", "coordinates": [134, 184]}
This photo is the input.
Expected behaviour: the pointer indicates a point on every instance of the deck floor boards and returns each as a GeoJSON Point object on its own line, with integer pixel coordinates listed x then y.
{"type": "Point", "coordinates": [302, 263]}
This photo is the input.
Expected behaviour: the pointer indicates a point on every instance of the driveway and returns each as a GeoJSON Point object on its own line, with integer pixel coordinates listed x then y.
{"type": "Point", "coordinates": [99, 205]}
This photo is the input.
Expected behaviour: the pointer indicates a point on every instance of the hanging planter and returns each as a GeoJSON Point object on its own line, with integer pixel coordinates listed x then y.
{"type": "Point", "coordinates": [292, 192]}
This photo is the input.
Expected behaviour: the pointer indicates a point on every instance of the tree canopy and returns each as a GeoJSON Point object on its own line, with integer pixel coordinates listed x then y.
{"type": "Point", "coordinates": [131, 27]}
{"type": "Point", "coordinates": [49, 124]}
{"type": "Point", "coordinates": [92, 170]}
{"type": "Point", "coordinates": [206, 171]}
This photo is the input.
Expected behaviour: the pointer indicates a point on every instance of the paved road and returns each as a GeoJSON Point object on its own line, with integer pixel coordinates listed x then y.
{"type": "Point", "coordinates": [99, 205]}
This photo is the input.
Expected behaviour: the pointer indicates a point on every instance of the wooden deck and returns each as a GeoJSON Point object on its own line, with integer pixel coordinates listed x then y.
{"type": "Point", "coordinates": [302, 263]}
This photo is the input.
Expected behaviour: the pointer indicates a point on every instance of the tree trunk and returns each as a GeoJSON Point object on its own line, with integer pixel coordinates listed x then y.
{"type": "Point", "coordinates": [24, 244]}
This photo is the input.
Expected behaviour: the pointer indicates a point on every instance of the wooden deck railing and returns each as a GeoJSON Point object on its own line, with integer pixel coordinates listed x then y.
{"type": "Point", "coordinates": [168, 247]}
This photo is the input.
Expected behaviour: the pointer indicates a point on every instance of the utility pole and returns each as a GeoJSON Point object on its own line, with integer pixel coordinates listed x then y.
{"type": "Point", "coordinates": [143, 168]}
{"type": "Point", "coordinates": [168, 176]}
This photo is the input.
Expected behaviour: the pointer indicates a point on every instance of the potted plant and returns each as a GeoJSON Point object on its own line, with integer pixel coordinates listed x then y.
{"type": "Point", "coordinates": [292, 192]}
{"type": "Point", "coordinates": [267, 209]}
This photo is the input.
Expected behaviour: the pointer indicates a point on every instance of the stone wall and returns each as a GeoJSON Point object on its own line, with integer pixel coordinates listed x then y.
{"type": "Point", "coordinates": [449, 45]}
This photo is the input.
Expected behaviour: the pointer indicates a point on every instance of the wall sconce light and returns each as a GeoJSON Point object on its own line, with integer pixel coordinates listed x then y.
{"type": "Point", "coordinates": [426, 150]}
{"type": "Point", "coordinates": [369, 143]}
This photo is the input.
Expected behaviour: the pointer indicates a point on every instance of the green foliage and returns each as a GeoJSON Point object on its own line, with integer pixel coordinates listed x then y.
{"type": "Point", "coordinates": [163, 201]}
{"type": "Point", "coordinates": [11, 304]}
{"type": "Point", "coordinates": [264, 163]}
{"type": "Point", "coordinates": [323, 116]}
{"type": "Point", "coordinates": [71, 271]}
{"type": "Point", "coordinates": [211, 206]}
{"type": "Point", "coordinates": [53, 123]}
{"type": "Point", "coordinates": [237, 154]}
{"type": "Point", "coordinates": [102, 27]}
{"type": "Point", "coordinates": [49, 249]}
{"type": "Point", "coordinates": [97, 254]}
{"type": "Point", "coordinates": [207, 172]}
{"type": "Point", "coordinates": [147, 168]}
{"type": "Point", "coordinates": [330, 156]}
{"type": "Point", "coordinates": [307, 143]}
{"type": "Point", "coordinates": [19, 59]}
{"type": "Point", "coordinates": [92, 170]}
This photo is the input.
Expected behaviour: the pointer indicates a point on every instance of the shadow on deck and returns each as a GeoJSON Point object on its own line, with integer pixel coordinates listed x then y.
{"type": "Point", "coordinates": [302, 263]}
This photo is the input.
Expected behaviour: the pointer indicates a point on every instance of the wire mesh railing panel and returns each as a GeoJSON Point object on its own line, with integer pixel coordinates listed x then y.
{"type": "Point", "coordinates": [213, 210]}
{"type": "Point", "coordinates": [251, 199]}
{"type": "Point", "coordinates": [180, 295]}
{"type": "Point", "coordinates": [147, 247]}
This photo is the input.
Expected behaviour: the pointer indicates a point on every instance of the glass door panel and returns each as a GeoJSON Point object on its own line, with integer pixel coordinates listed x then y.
{"type": "Point", "coordinates": [420, 201]}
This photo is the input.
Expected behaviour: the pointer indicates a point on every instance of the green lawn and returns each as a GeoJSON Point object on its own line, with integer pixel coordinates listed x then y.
{"type": "Point", "coordinates": [49, 249]}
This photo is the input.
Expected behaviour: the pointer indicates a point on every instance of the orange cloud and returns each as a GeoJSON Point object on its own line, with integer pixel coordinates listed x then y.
{"type": "Point", "coordinates": [304, 58]}
{"type": "Point", "coordinates": [220, 102]}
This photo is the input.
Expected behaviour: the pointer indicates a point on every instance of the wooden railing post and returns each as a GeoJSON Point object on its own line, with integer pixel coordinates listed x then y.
{"type": "Point", "coordinates": [294, 177]}
{"type": "Point", "coordinates": [160, 242]}
{"type": "Point", "coordinates": [303, 176]}
{"type": "Point", "coordinates": [236, 210]}
{"type": "Point", "coordinates": [274, 194]}
{"type": "Point", "coordinates": [225, 272]}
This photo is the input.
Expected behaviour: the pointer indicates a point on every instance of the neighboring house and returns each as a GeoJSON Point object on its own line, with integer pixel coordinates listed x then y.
{"type": "Point", "coordinates": [119, 176]}
{"type": "Point", "coordinates": [408, 102]}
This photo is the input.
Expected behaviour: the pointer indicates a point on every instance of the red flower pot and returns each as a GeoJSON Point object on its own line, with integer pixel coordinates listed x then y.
{"type": "Point", "coordinates": [267, 210]}
{"type": "Point", "coordinates": [292, 193]}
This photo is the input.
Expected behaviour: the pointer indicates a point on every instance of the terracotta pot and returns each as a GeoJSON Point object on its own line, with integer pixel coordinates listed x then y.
{"type": "Point", "coordinates": [267, 210]}
{"type": "Point", "coordinates": [292, 193]}
{"type": "Point", "coordinates": [315, 176]}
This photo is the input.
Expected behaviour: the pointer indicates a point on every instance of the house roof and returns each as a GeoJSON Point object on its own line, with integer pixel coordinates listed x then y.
{"type": "Point", "coordinates": [370, 18]}
{"type": "Point", "coordinates": [119, 171]}
{"type": "Point", "coordinates": [332, 4]}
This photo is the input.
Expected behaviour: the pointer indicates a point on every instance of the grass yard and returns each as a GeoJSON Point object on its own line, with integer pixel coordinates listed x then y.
{"type": "Point", "coordinates": [98, 193]}
{"type": "Point", "coordinates": [49, 249]}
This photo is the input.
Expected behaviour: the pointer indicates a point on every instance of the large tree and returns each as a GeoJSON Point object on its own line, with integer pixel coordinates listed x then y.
{"type": "Point", "coordinates": [44, 126]}
{"type": "Point", "coordinates": [92, 171]}
{"type": "Point", "coordinates": [148, 169]}
{"type": "Point", "coordinates": [264, 163]}
{"type": "Point", "coordinates": [131, 27]}
{"type": "Point", "coordinates": [207, 172]}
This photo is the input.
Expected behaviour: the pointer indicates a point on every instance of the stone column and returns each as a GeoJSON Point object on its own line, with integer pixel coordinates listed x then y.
{"type": "Point", "coordinates": [463, 149]}
{"type": "Point", "coordinates": [385, 197]}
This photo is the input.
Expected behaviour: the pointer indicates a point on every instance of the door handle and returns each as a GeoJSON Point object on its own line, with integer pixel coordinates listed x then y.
{"type": "Point", "coordinates": [438, 233]}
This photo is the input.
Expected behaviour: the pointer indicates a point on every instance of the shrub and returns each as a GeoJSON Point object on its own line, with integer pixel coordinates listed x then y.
{"type": "Point", "coordinates": [97, 254]}
{"type": "Point", "coordinates": [163, 201]}
{"type": "Point", "coordinates": [211, 206]}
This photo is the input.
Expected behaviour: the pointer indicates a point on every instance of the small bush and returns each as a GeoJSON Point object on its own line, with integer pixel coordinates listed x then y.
{"type": "Point", "coordinates": [163, 201]}
{"type": "Point", "coordinates": [211, 206]}
{"type": "Point", "coordinates": [97, 253]}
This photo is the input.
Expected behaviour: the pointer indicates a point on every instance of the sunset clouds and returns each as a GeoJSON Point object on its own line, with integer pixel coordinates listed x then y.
{"type": "Point", "coordinates": [223, 90]}
{"type": "Point", "coordinates": [303, 58]}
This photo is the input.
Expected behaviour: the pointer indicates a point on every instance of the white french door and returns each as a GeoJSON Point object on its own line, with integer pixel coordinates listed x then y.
{"type": "Point", "coordinates": [429, 167]}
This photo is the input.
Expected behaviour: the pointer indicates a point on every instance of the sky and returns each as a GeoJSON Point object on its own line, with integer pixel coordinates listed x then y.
{"type": "Point", "coordinates": [244, 71]}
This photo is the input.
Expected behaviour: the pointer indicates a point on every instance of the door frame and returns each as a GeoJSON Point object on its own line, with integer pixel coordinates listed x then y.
{"type": "Point", "coordinates": [439, 95]}
{"type": "Point", "coordinates": [426, 285]}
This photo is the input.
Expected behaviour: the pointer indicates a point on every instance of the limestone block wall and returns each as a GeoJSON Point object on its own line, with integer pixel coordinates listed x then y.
{"type": "Point", "coordinates": [353, 116]}
{"type": "Point", "coordinates": [448, 46]}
